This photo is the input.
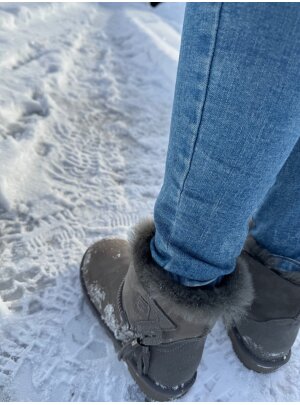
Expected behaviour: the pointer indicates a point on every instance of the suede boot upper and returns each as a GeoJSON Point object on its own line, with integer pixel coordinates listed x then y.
{"type": "Point", "coordinates": [158, 326]}
{"type": "Point", "coordinates": [272, 323]}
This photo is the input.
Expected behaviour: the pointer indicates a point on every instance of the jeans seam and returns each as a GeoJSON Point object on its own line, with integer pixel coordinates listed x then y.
{"type": "Point", "coordinates": [200, 121]}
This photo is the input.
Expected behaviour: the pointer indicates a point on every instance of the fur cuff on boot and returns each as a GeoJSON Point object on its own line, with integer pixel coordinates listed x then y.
{"type": "Point", "coordinates": [230, 299]}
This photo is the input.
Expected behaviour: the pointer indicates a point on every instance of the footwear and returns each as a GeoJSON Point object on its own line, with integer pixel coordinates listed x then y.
{"type": "Point", "coordinates": [263, 339]}
{"type": "Point", "coordinates": [158, 326]}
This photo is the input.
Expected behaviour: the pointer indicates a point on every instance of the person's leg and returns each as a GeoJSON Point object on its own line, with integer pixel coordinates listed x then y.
{"type": "Point", "coordinates": [276, 224]}
{"type": "Point", "coordinates": [236, 118]}
{"type": "Point", "coordinates": [234, 123]}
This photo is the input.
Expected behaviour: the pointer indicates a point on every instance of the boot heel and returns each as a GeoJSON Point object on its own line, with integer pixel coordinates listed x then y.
{"type": "Point", "coordinates": [251, 361]}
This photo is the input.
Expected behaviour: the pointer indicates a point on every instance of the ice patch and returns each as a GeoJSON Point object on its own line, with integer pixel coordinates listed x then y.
{"type": "Point", "coordinates": [164, 387]}
{"type": "Point", "coordinates": [96, 294]}
{"type": "Point", "coordinates": [121, 332]}
{"type": "Point", "coordinates": [252, 345]}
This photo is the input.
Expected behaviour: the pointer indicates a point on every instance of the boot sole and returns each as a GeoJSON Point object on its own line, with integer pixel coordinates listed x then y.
{"type": "Point", "coordinates": [152, 391]}
{"type": "Point", "coordinates": [251, 361]}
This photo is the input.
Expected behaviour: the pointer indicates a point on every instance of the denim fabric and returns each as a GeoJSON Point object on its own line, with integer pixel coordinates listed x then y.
{"type": "Point", "coordinates": [235, 121]}
{"type": "Point", "coordinates": [276, 224]}
{"type": "Point", "coordinates": [189, 282]}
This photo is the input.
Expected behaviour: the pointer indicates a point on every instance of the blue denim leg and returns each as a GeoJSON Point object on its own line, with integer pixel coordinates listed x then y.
{"type": "Point", "coordinates": [276, 224]}
{"type": "Point", "coordinates": [235, 120]}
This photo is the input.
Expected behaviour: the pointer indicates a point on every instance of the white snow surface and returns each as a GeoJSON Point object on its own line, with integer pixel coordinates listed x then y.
{"type": "Point", "coordinates": [85, 102]}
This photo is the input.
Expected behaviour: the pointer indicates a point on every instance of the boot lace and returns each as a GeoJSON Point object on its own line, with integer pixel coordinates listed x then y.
{"type": "Point", "coordinates": [142, 354]}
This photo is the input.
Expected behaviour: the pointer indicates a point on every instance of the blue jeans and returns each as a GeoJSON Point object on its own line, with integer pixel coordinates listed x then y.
{"type": "Point", "coordinates": [234, 148]}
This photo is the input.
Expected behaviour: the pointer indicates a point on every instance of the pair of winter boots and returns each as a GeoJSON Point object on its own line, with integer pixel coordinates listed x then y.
{"type": "Point", "coordinates": [159, 327]}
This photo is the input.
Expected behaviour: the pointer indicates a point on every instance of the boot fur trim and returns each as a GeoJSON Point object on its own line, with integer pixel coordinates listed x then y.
{"type": "Point", "coordinates": [230, 299]}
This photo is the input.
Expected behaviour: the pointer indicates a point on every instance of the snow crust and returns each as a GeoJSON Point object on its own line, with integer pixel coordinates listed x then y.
{"type": "Point", "coordinates": [85, 101]}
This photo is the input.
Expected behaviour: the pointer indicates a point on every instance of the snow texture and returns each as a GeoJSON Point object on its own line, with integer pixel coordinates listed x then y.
{"type": "Point", "coordinates": [85, 102]}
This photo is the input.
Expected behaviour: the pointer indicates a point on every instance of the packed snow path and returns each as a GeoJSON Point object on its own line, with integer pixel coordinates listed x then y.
{"type": "Point", "coordinates": [85, 101]}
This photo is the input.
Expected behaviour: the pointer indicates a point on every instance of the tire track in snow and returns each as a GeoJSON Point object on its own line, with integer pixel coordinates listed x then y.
{"type": "Point", "coordinates": [83, 151]}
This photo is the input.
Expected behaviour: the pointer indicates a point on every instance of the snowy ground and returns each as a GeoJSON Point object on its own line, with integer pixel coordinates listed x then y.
{"type": "Point", "coordinates": [85, 102]}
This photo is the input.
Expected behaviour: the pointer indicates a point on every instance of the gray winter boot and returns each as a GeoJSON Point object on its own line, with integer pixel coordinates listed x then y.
{"type": "Point", "coordinates": [264, 338]}
{"type": "Point", "coordinates": [158, 327]}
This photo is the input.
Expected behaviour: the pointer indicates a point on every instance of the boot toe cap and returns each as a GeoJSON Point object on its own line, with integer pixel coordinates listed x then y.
{"type": "Point", "coordinates": [103, 269]}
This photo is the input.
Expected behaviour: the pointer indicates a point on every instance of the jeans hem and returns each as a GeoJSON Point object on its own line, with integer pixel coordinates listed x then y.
{"type": "Point", "coordinates": [273, 261]}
